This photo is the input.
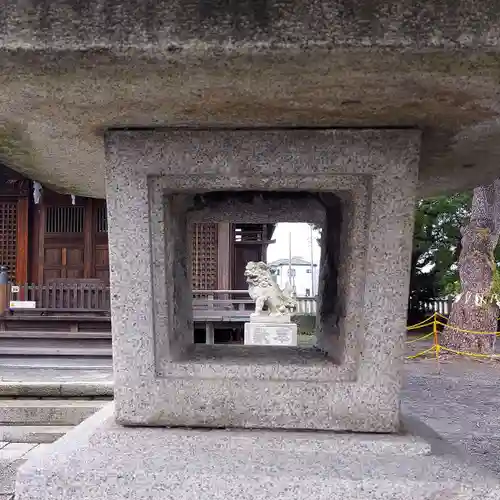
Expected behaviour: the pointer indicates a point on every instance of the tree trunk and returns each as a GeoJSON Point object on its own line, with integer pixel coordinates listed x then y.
{"type": "Point", "coordinates": [474, 309]}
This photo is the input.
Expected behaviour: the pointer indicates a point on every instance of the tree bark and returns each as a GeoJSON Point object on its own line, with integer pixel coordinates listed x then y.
{"type": "Point", "coordinates": [474, 309]}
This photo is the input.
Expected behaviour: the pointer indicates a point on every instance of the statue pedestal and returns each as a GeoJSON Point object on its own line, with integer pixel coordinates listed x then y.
{"type": "Point", "coordinates": [264, 329]}
{"type": "Point", "coordinates": [102, 460]}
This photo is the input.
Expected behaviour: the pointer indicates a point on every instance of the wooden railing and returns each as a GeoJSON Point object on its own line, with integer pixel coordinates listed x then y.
{"type": "Point", "coordinates": [81, 295]}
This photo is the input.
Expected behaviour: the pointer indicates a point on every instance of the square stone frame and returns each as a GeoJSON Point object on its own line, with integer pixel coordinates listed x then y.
{"type": "Point", "coordinates": [268, 363]}
{"type": "Point", "coordinates": [376, 169]}
{"type": "Point", "coordinates": [237, 207]}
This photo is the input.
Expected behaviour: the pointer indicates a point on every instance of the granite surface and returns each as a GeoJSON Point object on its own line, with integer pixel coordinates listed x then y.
{"type": "Point", "coordinates": [102, 460]}
{"type": "Point", "coordinates": [177, 25]}
{"type": "Point", "coordinates": [294, 63]}
{"type": "Point", "coordinates": [262, 208]}
{"type": "Point", "coordinates": [333, 278]}
{"type": "Point", "coordinates": [12, 455]}
{"type": "Point", "coordinates": [152, 175]}
{"type": "Point", "coordinates": [458, 400]}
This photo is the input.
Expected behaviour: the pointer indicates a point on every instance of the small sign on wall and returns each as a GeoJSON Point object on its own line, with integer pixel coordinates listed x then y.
{"type": "Point", "coordinates": [22, 304]}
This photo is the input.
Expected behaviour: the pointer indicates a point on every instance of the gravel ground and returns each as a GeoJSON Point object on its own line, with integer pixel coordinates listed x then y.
{"type": "Point", "coordinates": [459, 399]}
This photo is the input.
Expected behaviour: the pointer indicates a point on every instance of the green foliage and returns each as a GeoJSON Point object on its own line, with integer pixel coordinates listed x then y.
{"type": "Point", "coordinates": [436, 244]}
{"type": "Point", "coordinates": [495, 285]}
{"type": "Point", "coordinates": [452, 288]}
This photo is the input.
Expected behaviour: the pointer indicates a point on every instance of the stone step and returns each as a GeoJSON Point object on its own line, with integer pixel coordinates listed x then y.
{"type": "Point", "coordinates": [62, 412]}
{"type": "Point", "coordinates": [70, 389]}
{"type": "Point", "coordinates": [61, 364]}
{"type": "Point", "coordinates": [49, 346]}
{"type": "Point", "coordinates": [32, 433]}
{"type": "Point", "coordinates": [59, 351]}
{"type": "Point", "coordinates": [28, 334]}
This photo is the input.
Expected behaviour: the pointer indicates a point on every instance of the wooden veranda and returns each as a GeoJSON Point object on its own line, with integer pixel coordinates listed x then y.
{"type": "Point", "coordinates": [86, 305]}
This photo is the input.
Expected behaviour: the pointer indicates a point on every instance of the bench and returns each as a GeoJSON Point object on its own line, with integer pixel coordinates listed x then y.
{"type": "Point", "coordinates": [218, 316]}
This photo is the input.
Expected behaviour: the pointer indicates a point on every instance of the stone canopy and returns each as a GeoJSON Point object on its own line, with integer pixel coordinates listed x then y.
{"type": "Point", "coordinates": [74, 69]}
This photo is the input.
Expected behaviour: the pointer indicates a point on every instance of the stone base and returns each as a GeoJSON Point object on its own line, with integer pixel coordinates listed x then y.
{"type": "Point", "coordinates": [100, 460]}
{"type": "Point", "coordinates": [274, 332]}
{"type": "Point", "coordinates": [268, 318]}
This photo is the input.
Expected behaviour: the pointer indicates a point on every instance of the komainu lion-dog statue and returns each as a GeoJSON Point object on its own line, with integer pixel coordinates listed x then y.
{"type": "Point", "coordinates": [265, 291]}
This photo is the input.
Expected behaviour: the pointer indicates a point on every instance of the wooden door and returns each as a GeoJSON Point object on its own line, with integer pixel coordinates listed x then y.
{"type": "Point", "coordinates": [101, 249]}
{"type": "Point", "coordinates": [101, 262]}
{"type": "Point", "coordinates": [63, 262]}
{"type": "Point", "coordinates": [63, 249]}
{"type": "Point", "coordinates": [244, 253]}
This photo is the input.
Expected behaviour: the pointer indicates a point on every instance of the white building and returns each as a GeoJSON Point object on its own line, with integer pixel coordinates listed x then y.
{"type": "Point", "coordinates": [304, 276]}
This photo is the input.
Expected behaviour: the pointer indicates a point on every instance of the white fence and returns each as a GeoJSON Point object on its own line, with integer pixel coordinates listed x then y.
{"type": "Point", "coordinates": [441, 306]}
{"type": "Point", "coordinates": [307, 305]}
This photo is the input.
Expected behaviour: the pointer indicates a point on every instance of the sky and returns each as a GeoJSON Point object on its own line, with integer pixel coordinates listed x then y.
{"type": "Point", "coordinates": [301, 242]}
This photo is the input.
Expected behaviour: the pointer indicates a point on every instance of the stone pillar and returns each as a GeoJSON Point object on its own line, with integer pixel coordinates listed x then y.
{"type": "Point", "coordinates": [329, 293]}
{"type": "Point", "coordinates": [179, 300]}
{"type": "Point", "coordinates": [364, 282]}
{"type": "Point", "coordinates": [129, 210]}
{"type": "Point", "coordinates": [151, 296]}
{"type": "Point", "coordinates": [209, 333]}
{"type": "Point", "coordinates": [366, 181]}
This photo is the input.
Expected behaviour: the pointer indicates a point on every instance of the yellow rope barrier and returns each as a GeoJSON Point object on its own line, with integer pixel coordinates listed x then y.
{"type": "Point", "coordinates": [465, 353]}
{"type": "Point", "coordinates": [416, 326]}
{"type": "Point", "coordinates": [451, 327]}
{"type": "Point", "coordinates": [436, 347]}
{"type": "Point", "coordinates": [440, 315]}
{"type": "Point", "coordinates": [420, 353]}
{"type": "Point", "coordinates": [419, 338]}
{"type": "Point", "coordinates": [435, 332]}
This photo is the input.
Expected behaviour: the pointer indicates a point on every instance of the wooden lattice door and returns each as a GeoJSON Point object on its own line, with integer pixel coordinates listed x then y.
{"type": "Point", "coordinates": [204, 255]}
{"type": "Point", "coordinates": [64, 246]}
{"type": "Point", "coordinates": [8, 228]}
